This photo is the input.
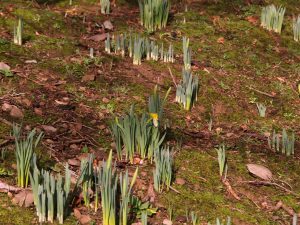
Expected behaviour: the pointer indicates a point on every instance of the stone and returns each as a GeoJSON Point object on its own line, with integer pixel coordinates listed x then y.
{"type": "Point", "coordinates": [16, 113]}
{"type": "Point", "coordinates": [108, 25]}
{"type": "Point", "coordinates": [180, 181]}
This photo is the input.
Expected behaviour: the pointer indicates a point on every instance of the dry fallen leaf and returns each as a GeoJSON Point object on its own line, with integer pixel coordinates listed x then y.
{"type": "Point", "coordinates": [221, 40]}
{"type": "Point", "coordinates": [98, 37]}
{"type": "Point", "coordinates": [215, 20]}
{"type": "Point", "coordinates": [260, 171]}
{"type": "Point", "coordinates": [252, 19]}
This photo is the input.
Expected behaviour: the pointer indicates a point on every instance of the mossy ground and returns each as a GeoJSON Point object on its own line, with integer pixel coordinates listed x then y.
{"type": "Point", "coordinates": [233, 74]}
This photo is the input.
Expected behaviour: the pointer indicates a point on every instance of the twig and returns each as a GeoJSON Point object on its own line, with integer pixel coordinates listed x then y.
{"type": "Point", "coordinates": [230, 189]}
{"type": "Point", "coordinates": [172, 77]}
{"type": "Point", "coordinates": [77, 141]}
{"type": "Point", "coordinates": [64, 121]}
{"type": "Point", "coordinates": [51, 152]}
{"type": "Point", "coordinates": [88, 139]}
{"type": "Point", "coordinates": [202, 178]}
{"type": "Point", "coordinates": [281, 205]}
{"type": "Point", "coordinates": [260, 92]}
{"type": "Point", "coordinates": [173, 189]}
{"type": "Point", "coordinates": [268, 183]}
{"type": "Point", "coordinates": [4, 142]}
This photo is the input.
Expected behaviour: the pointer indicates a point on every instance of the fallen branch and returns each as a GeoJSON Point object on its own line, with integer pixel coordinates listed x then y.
{"type": "Point", "coordinates": [269, 183]}
{"type": "Point", "coordinates": [281, 205]}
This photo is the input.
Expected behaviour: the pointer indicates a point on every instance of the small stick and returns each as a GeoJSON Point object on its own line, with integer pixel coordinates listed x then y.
{"type": "Point", "coordinates": [230, 189]}
{"type": "Point", "coordinates": [5, 122]}
{"type": "Point", "coordinates": [261, 92]}
{"type": "Point", "coordinates": [172, 77]}
{"type": "Point", "coordinates": [270, 184]}
{"type": "Point", "coordinates": [173, 189]}
{"type": "Point", "coordinates": [4, 142]}
{"type": "Point", "coordinates": [64, 121]}
{"type": "Point", "coordinates": [76, 141]}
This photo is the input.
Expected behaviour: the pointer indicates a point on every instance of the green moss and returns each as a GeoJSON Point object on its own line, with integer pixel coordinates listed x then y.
{"type": "Point", "coordinates": [200, 170]}
{"type": "Point", "coordinates": [21, 215]}
{"type": "Point", "coordinates": [7, 209]}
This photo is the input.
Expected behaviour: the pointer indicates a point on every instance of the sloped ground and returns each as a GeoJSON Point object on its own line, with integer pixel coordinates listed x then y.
{"type": "Point", "coordinates": [238, 64]}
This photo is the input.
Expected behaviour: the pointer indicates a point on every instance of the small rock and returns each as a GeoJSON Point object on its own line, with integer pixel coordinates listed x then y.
{"type": "Point", "coordinates": [167, 222]}
{"type": "Point", "coordinates": [29, 200]}
{"type": "Point", "coordinates": [98, 37]}
{"type": "Point", "coordinates": [6, 107]}
{"type": "Point", "coordinates": [16, 112]}
{"type": "Point", "coordinates": [180, 181]}
{"type": "Point", "coordinates": [49, 129]}
{"type": "Point", "coordinates": [108, 25]}
{"type": "Point", "coordinates": [23, 198]}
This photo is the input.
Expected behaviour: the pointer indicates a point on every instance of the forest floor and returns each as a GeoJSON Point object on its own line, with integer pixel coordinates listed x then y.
{"type": "Point", "coordinates": [57, 88]}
